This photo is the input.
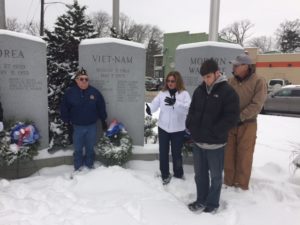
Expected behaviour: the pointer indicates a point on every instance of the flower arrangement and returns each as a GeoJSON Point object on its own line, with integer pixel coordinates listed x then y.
{"type": "Point", "coordinates": [20, 141]}
{"type": "Point", "coordinates": [115, 146]}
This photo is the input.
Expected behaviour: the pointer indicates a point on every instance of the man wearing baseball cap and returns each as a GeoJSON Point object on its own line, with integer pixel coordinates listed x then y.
{"type": "Point", "coordinates": [252, 91]}
{"type": "Point", "coordinates": [82, 106]}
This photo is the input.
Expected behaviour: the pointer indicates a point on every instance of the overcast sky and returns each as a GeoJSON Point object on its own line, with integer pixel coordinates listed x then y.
{"type": "Point", "coordinates": [173, 15]}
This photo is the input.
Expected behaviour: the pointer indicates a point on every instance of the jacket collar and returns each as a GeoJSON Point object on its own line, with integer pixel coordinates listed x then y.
{"type": "Point", "coordinates": [217, 83]}
{"type": "Point", "coordinates": [247, 77]}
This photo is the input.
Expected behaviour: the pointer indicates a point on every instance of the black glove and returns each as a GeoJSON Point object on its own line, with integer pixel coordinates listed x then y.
{"type": "Point", "coordinates": [104, 125]}
{"type": "Point", "coordinates": [148, 110]}
{"type": "Point", "coordinates": [172, 92]}
{"type": "Point", "coordinates": [170, 101]}
{"type": "Point", "coordinates": [240, 123]}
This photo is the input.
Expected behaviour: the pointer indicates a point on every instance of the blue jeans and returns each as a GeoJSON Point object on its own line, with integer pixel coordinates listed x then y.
{"type": "Point", "coordinates": [208, 166]}
{"type": "Point", "coordinates": [84, 137]}
{"type": "Point", "coordinates": [176, 140]}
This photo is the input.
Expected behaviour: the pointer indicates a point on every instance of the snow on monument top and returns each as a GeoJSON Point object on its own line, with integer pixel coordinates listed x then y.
{"type": "Point", "coordinates": [94, 41]}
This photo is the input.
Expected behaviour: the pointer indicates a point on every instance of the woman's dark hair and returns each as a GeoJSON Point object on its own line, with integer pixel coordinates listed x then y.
{"type": "Point", "coordinates": [209, 66]}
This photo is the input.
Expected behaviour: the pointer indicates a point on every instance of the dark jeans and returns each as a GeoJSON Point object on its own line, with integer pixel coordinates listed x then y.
{"type": "Point", "coordinates": [208, 165]}
{"type": "Point", "coordinates": [84, 137]}
{"type": "Point", "coordinates": [176, 140]}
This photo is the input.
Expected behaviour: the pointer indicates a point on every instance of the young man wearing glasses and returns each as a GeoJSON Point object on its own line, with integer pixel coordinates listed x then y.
{"type": "Point", "coordinates": [173, 102]}
{"type": "Point", "coordinates": [82, 106]}
{"type": "Point", "coordinates": [214, 110]}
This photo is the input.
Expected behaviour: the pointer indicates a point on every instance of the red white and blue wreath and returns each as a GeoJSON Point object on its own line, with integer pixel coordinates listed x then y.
{"type": "Point", "coordinates": [115, 146]}
{"type": "Point", "coordinates": [20, 141]}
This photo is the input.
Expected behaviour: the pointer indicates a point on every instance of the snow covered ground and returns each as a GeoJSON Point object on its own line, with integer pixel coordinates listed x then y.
{"type": "Point", "coordinates": [134, 194]}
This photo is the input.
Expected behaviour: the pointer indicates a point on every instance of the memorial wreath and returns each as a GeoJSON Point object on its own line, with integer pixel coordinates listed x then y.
{"type": "Point", "coordinates": [20, 141]}
{"type": "Point", "coordinates": [115, 146]}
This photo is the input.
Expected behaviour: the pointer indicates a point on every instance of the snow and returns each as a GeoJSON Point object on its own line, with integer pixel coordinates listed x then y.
{"type": "Point", "coordinates": [94, 41]}
{"type": "Point", "coordinates": [21, 35]}
{"type": "Point", "coordinates": [134, 194]}
{"type": "Point", "coordinates": [211, 44]}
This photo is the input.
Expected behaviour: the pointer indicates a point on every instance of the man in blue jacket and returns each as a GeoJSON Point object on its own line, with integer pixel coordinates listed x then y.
{"type": "Point", "coordinates": [81, 106]}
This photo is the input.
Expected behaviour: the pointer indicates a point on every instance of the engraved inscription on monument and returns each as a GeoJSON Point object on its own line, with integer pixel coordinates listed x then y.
{"type": "Point", "coordinates": [119, 75]}
{"type": "Point", "coordinates": [117, 69]}
{"type": "Point", "coordinates": [23, 80]}
{"type": "Point", "coordinates": [189, 58]}
{"type": "Point", "coordinates": [18, 74]}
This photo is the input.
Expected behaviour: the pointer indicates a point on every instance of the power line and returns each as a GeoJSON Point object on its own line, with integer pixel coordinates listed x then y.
{"type": "Point", "coordinates": [42, 22]}
{"type": "Point", "coordinates": [34, 13]}
{"type": "Point", "coordinates": [28, 10]}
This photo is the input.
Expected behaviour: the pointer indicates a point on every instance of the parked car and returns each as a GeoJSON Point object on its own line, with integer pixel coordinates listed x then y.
{"type": "Point", "coordinates": [276, 84]}
{"type": "Point", "coordinates": [283, 101]}
{"type": "Point", "coordinates": [152, 84]}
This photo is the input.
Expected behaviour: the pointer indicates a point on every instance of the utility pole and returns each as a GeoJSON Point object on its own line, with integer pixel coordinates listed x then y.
{"type": "Point", "coordinates": [214, 20]}
{"type": "Point", "coordinates": [116, 13]}
{"type": "Point", "coordinates": [2, 15]}
{"type": "Point", "coordinates": [42, 18]}
{"type": "Point", "coordinates": [43, 9]}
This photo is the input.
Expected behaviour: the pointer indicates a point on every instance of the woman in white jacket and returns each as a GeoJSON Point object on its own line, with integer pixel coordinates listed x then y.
{"type": "Point", "coordinates": [174, 102]}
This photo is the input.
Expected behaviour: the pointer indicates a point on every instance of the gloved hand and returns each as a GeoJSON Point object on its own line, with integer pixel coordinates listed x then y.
{"type": "Point", "coordinates": [240, 122]}
{"type": "Point", "coordinates": [104, 125]}
{"type": "Point", "coordinates": [172, 92]}
{"type": "Point", "coordinates": [170, 101]}
{"type": "Point", "coordinates": [1, 126]}
{"type": "Point", "coordinates": [148, 110]}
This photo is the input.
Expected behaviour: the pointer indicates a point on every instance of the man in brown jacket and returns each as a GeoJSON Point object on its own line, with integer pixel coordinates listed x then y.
{"type": "Point", "coordinates": [252, 91]}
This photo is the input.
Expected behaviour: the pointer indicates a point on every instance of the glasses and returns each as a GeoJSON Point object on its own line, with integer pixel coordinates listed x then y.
{"type": "Point", "coordinates": [83, 79]}
{"type": "Point", "coordinates": [171, 81]}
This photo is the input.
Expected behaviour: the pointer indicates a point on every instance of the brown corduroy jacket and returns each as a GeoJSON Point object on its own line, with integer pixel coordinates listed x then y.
{"type": "Point", "coordinates": [252, 93]}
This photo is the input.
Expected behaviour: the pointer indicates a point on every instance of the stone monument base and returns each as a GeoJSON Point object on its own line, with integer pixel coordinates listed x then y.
{"type": "Point", "coordinates": [25, 168]}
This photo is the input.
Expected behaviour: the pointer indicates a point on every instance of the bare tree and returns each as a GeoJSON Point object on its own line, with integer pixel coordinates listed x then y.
{"type": "Point", "coordinates": [288, 35]}
{"type": "Point", "coordinates": [125, 24]}
{"type": "Point", "coordinates": [13, 25]}
{"type": "Point", "coordinates": [154, 47]}
{"type": "Point", "coordinates": [264, 43]}
{"type": "Point", "coordinates": [149, 35]}
{"type": "Point", "coordinates": [32, 28]}
{"type": "Point", "coordinates": [132, 31]}
{"type": "Point", "coordinates": [237, 32]}
{"type": "Point", "coordinates": [156, 34]}
{"type": "Point", "coordinates": [139, 32]}
{"type": "Point", "coordinates": [102, 22]}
